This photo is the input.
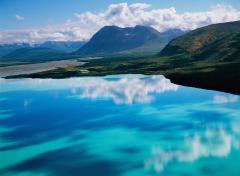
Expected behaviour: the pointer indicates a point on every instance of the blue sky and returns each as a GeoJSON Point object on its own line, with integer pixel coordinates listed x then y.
{"type": "Point", "coordinates": [38, 13]}
{"type": "Point", "coordinates": [35, 21]}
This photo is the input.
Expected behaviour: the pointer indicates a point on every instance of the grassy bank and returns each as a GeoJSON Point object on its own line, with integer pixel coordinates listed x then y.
{"type": "Point", "coordinates": [207, 74]}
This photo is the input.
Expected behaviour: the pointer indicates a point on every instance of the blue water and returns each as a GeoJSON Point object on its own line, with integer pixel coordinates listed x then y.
{"type": "Point", "coordinates": [126, 125]}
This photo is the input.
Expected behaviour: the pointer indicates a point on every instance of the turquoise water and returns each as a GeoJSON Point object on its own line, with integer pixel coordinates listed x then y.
{"type": "Point", "coordinates": [126, 125]}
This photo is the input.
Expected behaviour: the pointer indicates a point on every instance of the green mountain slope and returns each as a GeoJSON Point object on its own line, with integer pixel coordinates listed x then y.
{"type": "Point", "coordinates": [205, 42]}
{"type": "Point", "coordinates": [224, 50]}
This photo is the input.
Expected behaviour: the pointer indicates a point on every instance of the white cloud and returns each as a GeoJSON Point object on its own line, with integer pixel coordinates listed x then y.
{"type": "Point", "coordinates": [19, 18]}
{"type": "Point", "coordinates": [225, 99]}
{"type": "Point", "coordinates": [86, 24]}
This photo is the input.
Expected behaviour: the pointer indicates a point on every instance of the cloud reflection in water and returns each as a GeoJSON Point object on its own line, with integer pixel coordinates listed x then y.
{"type": "Point", "coordinates": [225, 99]}
{"type": "Point", "coordinates": [213, 143]}
{"type": "Point", "coordinates": [128, 90]}
{"type": "Point", "coordinates": [121, 89]}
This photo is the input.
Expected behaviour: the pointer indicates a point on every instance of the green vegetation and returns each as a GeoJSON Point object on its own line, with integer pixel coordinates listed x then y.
{"type": "Point", "coordinates": [206, 42]}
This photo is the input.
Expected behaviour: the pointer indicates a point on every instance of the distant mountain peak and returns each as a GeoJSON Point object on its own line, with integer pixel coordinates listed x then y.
{"type": "Point", "coordinates": [114, 39]}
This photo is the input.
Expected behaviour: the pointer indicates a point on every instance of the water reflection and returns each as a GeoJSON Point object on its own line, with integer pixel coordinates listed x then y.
{"type": "Point", "coordinates": [117, 125]}
{"type": "Point", "coordinates": [128, 90]}
{"type": "Point", "coordinates": [213, 143]}
{"type": "Point", "coordinates": [225, 99]}
{"type": "Point", "coordinates": [122, 90]}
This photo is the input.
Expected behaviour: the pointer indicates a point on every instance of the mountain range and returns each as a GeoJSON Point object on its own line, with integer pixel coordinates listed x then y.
{"type": "Point", "coordinates": [64, 46]}
{"type": "Point", "coordinates": [37, 54]}
{"type": "Point", "coordinates": [138, 39]}
{"type": "Point", "coordinates": [49, 50]}
{"type": "Point", "coordinates": [8, 48]}
{"type": "Point", "coordinates": [110, 40]}
{"type": "Point", "coordinates": [217, 41]}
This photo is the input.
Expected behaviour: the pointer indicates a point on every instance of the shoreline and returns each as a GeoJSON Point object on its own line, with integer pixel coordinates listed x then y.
{"type": "Point", "coordinates": [223, 76]}
{"type": "Point", "coordinates": [182, 80]}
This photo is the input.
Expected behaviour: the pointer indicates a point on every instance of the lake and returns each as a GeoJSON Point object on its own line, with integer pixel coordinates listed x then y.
{"type": "Point", "coordinates": [124, 125]}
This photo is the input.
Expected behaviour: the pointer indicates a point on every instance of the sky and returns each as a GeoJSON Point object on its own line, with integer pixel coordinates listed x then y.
{"type": "Point", "coordinates": [37, 21]}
